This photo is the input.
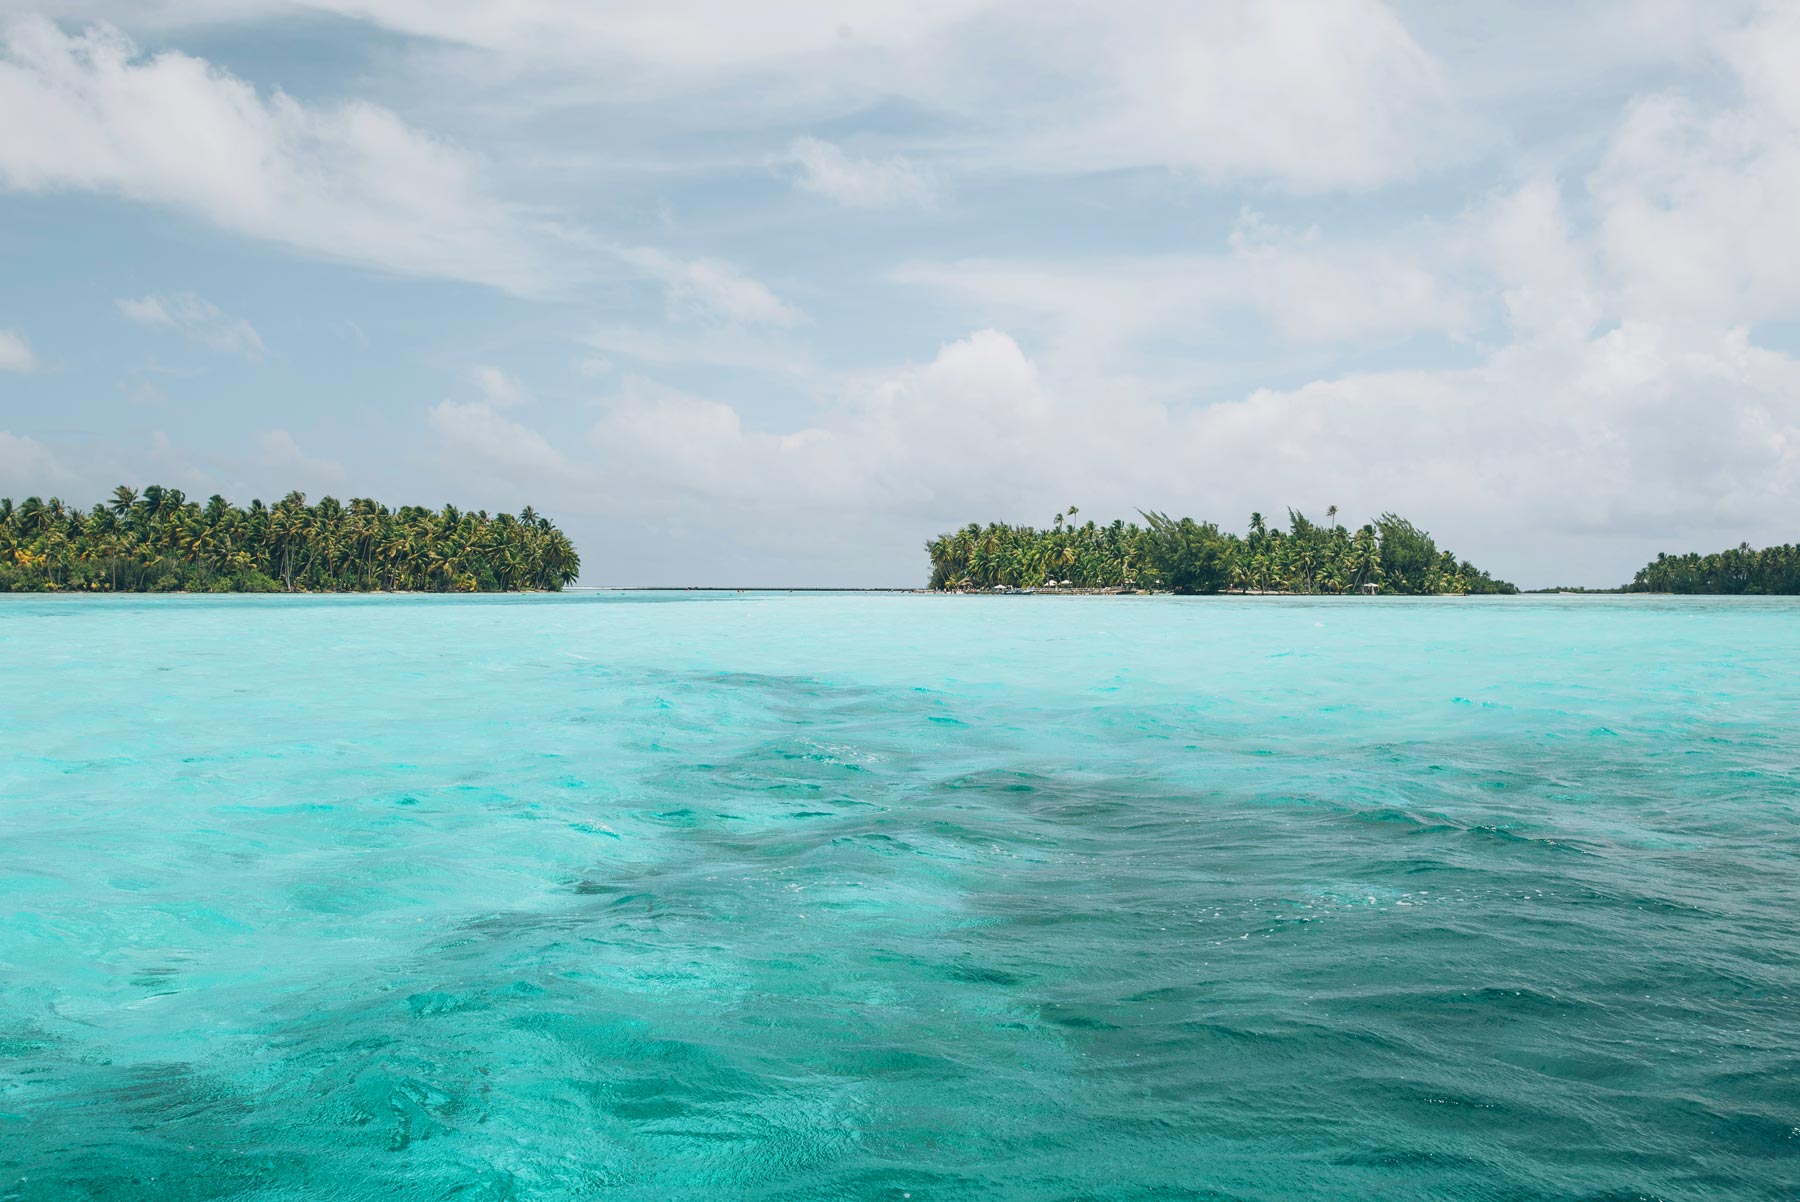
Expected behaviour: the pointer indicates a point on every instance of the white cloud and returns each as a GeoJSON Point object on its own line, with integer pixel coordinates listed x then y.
{"type": "Point", "coordinates": [1696, 203]}
{"type": "Point", "coordinates": [1305, 287]}
{"type": "Point", "coordinates": [352, 182]}
{"type": "Point", "coordinates": [1325, 94]}
{"type": "Point", "coordinates": [689, 36]}
{"type": "Point", "coordinates": [1544, 271]}
{"type": "Point", "coordinates": [1306, 93]}
{"type": "Point", "coordinates": [499, 388]}
{"type": "Point", "coordinates": [197, 318]}
{"type": "Point", "coordinates": [826, 170]}
{"type": "Point", "coordinates": [1602, 284]}
{"type": "Point", "coordinates": [146, 310]}
{"type": "Point", "coordinates": [1640, 438]}
{"type": "Point", "coordinates": [496, 442]}
{"type": "Point", "coordinates": [15, 352]}
{"type": "Point", "coordinates": [721, 289]}
{"type": "Point", "coordinates": [708, 289]}
{"type": "Point", "coordinates": [1311, 290]}
{"type": "Point", "coordinates": [899, 436]}
{"type": "Point", "coordinates": [713, 345]}
{"type": "Point", "coordinates": [1553, 461]}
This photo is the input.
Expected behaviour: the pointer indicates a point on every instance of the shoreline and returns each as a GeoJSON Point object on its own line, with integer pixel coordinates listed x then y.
{"type": "Point", "coordinates": [1000, 591]}
{"type": "Point", "coordinates": [824, 590]}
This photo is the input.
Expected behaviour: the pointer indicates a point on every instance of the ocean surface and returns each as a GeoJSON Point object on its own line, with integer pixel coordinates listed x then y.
{"type": "Point", "coordinates": [761, 896]}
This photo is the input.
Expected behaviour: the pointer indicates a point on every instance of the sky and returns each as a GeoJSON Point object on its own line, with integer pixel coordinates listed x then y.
{"type": "Point", "coordinates": [769, 294]}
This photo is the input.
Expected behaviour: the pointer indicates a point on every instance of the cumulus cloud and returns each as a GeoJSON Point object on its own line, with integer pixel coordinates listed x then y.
{"type": "Point", "coordinates": [1540, 437]}
{"type": "Point", "coordinates": [15, 352]}
{"type": "Point", "coordinates": [350, 182]}
{"type": "Point", "coordinates": [197, 318]}
{"type": "Point", "coordinates": [824, 169]}
{"type": "Point", "coordinates": [1642, 438]}
{"type": "Point", "coordinates": [895, 438]}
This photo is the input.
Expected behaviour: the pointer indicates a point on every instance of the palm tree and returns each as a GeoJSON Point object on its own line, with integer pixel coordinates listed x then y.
{"type": "Point", "coordinates": [1303, 558]}
{"type": "Point", "coordinates": [160, 539]}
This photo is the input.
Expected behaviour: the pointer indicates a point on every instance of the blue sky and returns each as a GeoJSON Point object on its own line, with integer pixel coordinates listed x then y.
{"type": "Point", "coordinates": [768, 294]}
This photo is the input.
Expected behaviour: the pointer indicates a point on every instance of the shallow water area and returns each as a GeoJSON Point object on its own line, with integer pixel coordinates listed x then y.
{"type": "Point", "coordinates": [706, 896]}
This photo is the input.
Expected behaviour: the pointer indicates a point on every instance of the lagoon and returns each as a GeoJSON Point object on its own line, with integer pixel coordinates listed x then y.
{"type": "Point", "coordinates": [705, 896]}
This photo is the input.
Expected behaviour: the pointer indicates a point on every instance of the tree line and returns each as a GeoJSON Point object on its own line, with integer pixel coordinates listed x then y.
{"type": "Point", "coordinates": [1185, 556]}
{"type": "Point", "coordinates": [159, 541]}
{"type": "Point", "coordinates": [1741, 570]}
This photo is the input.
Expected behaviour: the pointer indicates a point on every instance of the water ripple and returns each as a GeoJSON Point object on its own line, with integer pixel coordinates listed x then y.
{"type": "Point", "coordinates": [861, 897]}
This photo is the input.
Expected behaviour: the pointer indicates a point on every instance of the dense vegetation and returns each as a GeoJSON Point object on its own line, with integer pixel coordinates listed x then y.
{"type": "Point", "coordinates": [1773, 570]}
{"type": "Point", "coordinates": [1185, 556]}
{"type": "Point", "coordinates": [160, 541]}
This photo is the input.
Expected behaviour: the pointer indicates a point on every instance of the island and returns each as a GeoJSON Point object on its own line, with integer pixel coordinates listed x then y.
{"type": "Point", "coordinates": [1388, 555]}
{"type": "Point", "coordinates": [1181, 555]}
{"type": "Point", "coordinates": [158, 541]}
{"type": "Point", "coordinates": [1742, 571]}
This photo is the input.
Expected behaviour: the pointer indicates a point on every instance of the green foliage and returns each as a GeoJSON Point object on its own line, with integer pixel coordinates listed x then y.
{"type": "Point", "coordinates": [1188, 556]}
{"type": "Point", "coordinates": [1771, 571]}
{"type": "Point", "coordinates": [1182, 555]}
{"type": "Point", "coordinates": [1408, 554]}
{"type": "Point", "coordinates": [160, 542]}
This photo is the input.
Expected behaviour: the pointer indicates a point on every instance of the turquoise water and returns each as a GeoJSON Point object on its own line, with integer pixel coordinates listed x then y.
{"type": "Point", "coordinates": [891, 897]}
